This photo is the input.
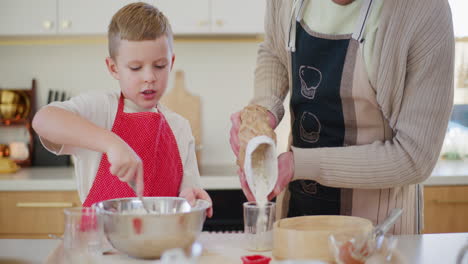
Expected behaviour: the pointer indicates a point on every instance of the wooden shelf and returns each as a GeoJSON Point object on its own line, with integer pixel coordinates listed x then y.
{"type": "Point", "coordinates": [14, 122]}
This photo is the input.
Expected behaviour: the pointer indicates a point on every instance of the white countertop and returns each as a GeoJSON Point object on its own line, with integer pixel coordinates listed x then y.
{"type": "Point", "coordinates": [213, 177]}
{"type": "Point", "coordinates": [449, 172]}
{"type": "Point", "coordinates": [39, 179]}
{"type": "Point", "coordinates": [62, 179]}
{"type": "Point", "coordinates": [228, 248]}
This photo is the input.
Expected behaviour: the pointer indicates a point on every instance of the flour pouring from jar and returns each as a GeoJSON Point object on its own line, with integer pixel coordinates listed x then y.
{"type": "Point", "coordinates": [261, 171]}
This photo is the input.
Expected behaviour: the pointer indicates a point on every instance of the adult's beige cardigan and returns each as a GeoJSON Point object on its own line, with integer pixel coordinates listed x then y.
{"type": "Point", "coordinates": [412, 75]}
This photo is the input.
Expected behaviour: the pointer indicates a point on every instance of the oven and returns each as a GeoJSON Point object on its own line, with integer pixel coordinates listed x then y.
{"type": "Point", "coordinates": [227, 211]}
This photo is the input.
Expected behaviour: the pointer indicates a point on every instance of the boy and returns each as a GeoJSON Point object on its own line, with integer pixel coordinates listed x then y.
{"type": "Point", "coordinates": [126, 138]}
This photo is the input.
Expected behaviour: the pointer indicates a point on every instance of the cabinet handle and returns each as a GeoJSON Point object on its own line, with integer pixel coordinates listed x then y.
{"type": "Point", "coordinates": [203, 23]}
{"type": "Point", "coordinates": [220, 22]}
{"type": "Point", "coordinates": [47, 24]}
{"type": "Point", "coordinates": [450, 201]}
{"type": "Point", "coordinates": [45, 204]}
{"type": "Point", "coordinates": [66, 24]}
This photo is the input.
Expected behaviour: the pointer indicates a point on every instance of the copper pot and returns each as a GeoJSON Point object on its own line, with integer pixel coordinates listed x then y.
{"type": "Point", "coordinates": [14, 104]}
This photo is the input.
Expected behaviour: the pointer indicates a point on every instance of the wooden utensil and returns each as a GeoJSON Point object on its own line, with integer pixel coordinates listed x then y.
{"type": "Point", "coordinates": [306, 237]}
{"type": "Point", "coordinates": [181, 101]}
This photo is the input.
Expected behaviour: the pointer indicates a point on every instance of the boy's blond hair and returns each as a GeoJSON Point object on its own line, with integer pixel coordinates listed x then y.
{"type": "Point", "coordinates": [137, 21]}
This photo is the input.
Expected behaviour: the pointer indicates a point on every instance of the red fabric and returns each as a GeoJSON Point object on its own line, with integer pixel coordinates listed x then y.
{"type": "Point", "coordinates": [88, 220]}
{"type": "Point", "coordinates": [152, 139]}
{"type": "Point", "coordinates": [255, 259]}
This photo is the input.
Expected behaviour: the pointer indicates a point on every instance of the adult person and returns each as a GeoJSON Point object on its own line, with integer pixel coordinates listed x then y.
{"type": "Point", "coordinates": [371, 86]}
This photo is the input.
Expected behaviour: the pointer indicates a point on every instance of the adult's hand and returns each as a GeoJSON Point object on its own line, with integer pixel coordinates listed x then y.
{"type": "Point", "coordinates": [235, 146]}
{"type": "Point", "coordinates": [234, 132]}
{"type": "Point", "coordinates": [285, 173]}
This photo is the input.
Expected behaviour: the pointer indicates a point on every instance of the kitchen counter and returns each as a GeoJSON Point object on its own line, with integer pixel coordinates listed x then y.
{"type": "Point", "coordinates": [62, 179]}
{"type": "Point", "coordinates": [213, 177]}
{"type": "Point", "coordinates": [39, 179]}
{"type": "Point", "coordinates": [228, 248]}
{"type": "Point", "coordinates": [449, 172]}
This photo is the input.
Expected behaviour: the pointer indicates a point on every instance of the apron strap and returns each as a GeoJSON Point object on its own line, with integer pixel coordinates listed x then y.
{"type": "Point", "coordinates": [297, 13]}
{"type": "Point", "coordinates": [300, 10]}
{"type": "Point", "coordinates": [361, 25]}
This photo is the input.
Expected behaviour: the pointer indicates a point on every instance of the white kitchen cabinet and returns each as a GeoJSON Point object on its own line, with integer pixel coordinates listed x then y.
{"type": "Point", "coordinates": [28, 17]}
{"type": "Point", "coordinates": [214, 16]}
{"type": "Point", "coordinates": [62, 17]}
{"type": "Point", "coordinates": [187, 16]}
{"type": "Point", "coordinates": [238, 17]}
{"type": "Point", "coordinates": [86, 16]}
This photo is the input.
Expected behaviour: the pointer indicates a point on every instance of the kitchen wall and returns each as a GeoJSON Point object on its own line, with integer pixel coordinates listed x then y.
{"type": "Point", "coordinates": [461, 72]}
{"type": "Point", "coordinates": [219, 71]}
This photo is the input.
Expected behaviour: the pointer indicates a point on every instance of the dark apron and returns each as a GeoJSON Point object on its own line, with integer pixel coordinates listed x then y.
{"type": "Point", "coordinates": [317, 111]}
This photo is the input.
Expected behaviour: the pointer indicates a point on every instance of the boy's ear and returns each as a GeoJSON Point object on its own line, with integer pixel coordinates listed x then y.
{"type": "Point", "coordinates": [172, 60]}
{"type": "Point", "coordinates": [112, 67]}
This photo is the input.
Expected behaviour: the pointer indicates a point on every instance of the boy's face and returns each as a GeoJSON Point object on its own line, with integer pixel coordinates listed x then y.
{"type": "Point", "coordinates": [142, 68]}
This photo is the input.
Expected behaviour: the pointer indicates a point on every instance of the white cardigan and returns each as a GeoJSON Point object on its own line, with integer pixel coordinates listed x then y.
{"type": "Point", "coordinates": [412, 75]}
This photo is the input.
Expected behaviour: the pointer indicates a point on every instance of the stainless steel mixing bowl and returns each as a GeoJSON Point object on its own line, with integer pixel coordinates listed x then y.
{"type": "Point", "coordinates": [171, 223]}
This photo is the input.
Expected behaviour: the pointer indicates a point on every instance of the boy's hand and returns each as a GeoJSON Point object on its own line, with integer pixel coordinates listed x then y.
{"type": "Point", "coordinates": [126, 164]}
{"type": "Point", "coordinates": [192, 194]}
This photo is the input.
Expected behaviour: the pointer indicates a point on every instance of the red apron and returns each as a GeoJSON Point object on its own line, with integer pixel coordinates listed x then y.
{"type": "Point", "coordinates": [150, 136]}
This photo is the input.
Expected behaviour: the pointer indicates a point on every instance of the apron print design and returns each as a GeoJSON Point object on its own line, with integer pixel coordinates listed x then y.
{"type": "Point", "coordinates": [319, 114]}
{"type": "Point", "coordinates": [311, 78]}
{"type": "Point", "coordinates": [310, 127]}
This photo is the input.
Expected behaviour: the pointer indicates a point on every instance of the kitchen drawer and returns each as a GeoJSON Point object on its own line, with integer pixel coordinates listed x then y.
{"type": "Point", "coordinates": [445, 209]}
{"type": "Point", "coordinates": [34, 214]}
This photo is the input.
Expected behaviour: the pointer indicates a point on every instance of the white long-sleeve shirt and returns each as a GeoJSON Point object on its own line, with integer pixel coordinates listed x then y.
{"type": "Point", "coordinates": [100, 108]}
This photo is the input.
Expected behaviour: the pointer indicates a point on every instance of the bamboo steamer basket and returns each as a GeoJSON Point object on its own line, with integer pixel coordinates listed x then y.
{"type": "Point", "coordinates": [306, 237]}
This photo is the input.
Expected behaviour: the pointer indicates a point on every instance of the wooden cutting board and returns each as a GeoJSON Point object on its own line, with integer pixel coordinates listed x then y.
{"type": "Point", "coordinates": [181, 101]}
